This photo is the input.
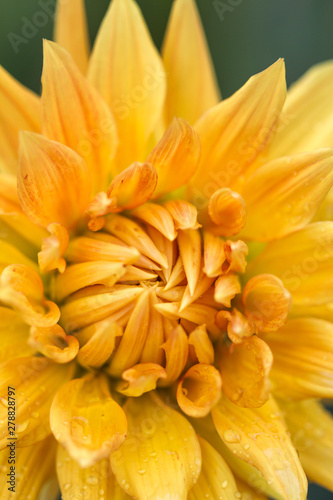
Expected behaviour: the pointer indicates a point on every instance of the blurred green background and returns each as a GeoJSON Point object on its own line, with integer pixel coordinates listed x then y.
{"type": "Point", "coordinates": [244, 36]}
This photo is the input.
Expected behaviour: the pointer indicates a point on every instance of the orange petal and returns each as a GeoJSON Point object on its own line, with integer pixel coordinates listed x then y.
{"type": "Point", "coordinates": [152, 351]}
{"type": "Point", "coordinates": [234, 132]}
{"type": "Point", "coordinates": [97, 343]}
{"type": "Point", "coordinates": [311, 429]}
{"type": "Point", "coordinates": [177, 275]}
{"type": "Point", "coordinates": [126, 69]}
{"type": "Point", "coordinates": [238, 325]}
{"type": "Point", "coordinates": [189, 243]}
{"type": "Point", "coordinates": [303, 261]}
{"type": "Point", "coordinates": [69, 14]}
{"type": "Point", "coordinates": [199, 390]}
{"type": "Point", "coordinates": [176, 352]}
{"type": "Point", "coordinates": [92, 134]}
{"type": "Point", "coordinates": [235, 253]}
{"type": "Point", "coordinates": [259, 437]}
{"type": "Point", "coordinates": [133, 187]}
{"type": "Point", "coordinates": [140, 379]}
{"type": "Point", "coordinates": [83, 311]}
{"type": "Point", "coordinates": [32, 475]}
{"type": "Point", "coordinates": [132, 234]}
{"type": "Point", "coordinates": [150, 465]}
{"type": "Point", "coordinates": [84, 274]}
{"type": "Point", "coordinates": [158, 217]}
{"type": "Point", "coordinates": [204, 283]}
{"type": "Point", "coordinates": [192, 85]}
{"type": "Point", "coordinates": [175, 157]}
{"type": "Point", "coordinates": [216, 480]}
{"type": "Point", "coordinates": [86, 420]}
{"type": "Point", "coordinates": [284, 194]}
{"type": "Point", "coordinates": [245, 369]}
{"type": "Point", "coordinates": [53, 249]}
{"type": "Point", "coordinates": [183, 213]}
{"type": "Point", "coordinates": [266, 302]}
{"type": "Point", "coordinates": [308, 372]}
{"type": "Point", "coordinates": [226, 287]}
{"type": "Point", "coordinates": [22, 289]}
{"type": "Point", "coordinates": [53, 181]}
{"type": "Point", "coordinates": [76, 482]}
{"type": "Point", "coordinates": [35, 380]}
{"type": "Point", "coordinates": [19, 110]}
{"type": "Point", "coordinates": [202, 344]}
{"type": "Point", "coordinates": [129, 350]}
{"type": "Point", "coordinates": [214, 255]}
{"type": "Point", "coordinates": [84, 249]}
{"type": "Point", "coordinates": [227, 211]}
{"type": "Point", "coordinates": [54, 343]}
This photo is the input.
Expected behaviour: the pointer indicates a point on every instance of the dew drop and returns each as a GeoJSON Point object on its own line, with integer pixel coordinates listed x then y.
{"type": "Point", "coordinates": [67, 486]}
{"type": "Point", "coordinates": [231, 437]}
{"type": "Point", "coordinates": [225, 484]}
{"type": "Point", "coordinates": [247, 446]}
{"type": "Point", "coordinates": [4, 402]}
{"type": "Point", "coordinates": [142, 472]}
{"type": "Point", "coordinates": [92, 480]}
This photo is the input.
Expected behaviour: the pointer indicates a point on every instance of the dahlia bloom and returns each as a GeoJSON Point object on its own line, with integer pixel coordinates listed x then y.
{"type": "Point", "coordinates": [166, 265]}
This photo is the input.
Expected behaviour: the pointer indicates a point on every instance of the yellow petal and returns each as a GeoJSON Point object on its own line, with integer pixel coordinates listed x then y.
{"type": "Point", "coordinates": [266, 302]}
{"type": "Point", "coordinates": [238, 326]}
{"type": "Point", "coordinates": [85, 310]}
{"type": "Point", "coordinates": [129, 350]}
{"type": "Point", "coordinates": [132, 234]}
{"type": "Point", "coordinates": [69, 14]}
{"type": "Point", "coordinates": [311, 428]}
{"type": "Point", "coordinates": [303, 261]}
{"type": "Point", "coordinates": [245, 369]}
{"type": "Point", "coordinates": [199, 390]}
{"type": "Point", "coordinates": [152, 351]}
{"type": "Point", "coordinates": [202, 345]}
{"type": "Point", "coordinates": [158, 217]}
{"type": "Point", "coordinates": [249, 493]}
{"type": "Point", "coordinates": [19, 110]}
{"type": "Point", "coordinates": [31, 472]}
{"type": "Point", "coordinates": [214, 255]}
{"type": "Point", "coordinates": [97, 481]}
{"type": "Point", "coordinates": [149, 465]}
{"type": "Point", "coordinates": [227, 213]}
{"type": "Point", "coordinates": [259, 436]}
{"type": "Point", "coordinates": [204, 283]}
{"type": "Point", "coordinates": [14, 334]}
{"type": "Point", "coordinates": [175, 157]}
{"type": "Point", "coordinates": [189, 243]}
{"type": "Point", "coordinates": [86, 420]}
{"type": "Point", "coordinates": [53, 181]}
{"type": "Point", "coordinates": [97, 343]}
{"type": "Point", "coordinates": [126, 69]}
{"type": "Point", "coordinates": [226, 287]}
{"type": "Point", "coordinates": [176, 352]}
{"type": "Point", "coordinates": [22, 289]}
{"type": "Point", "coordinates": [216, 481]}
{"type": "Point", "coordinates": [84, 249]}
{"type": "Point", "coordinates": [84, 274]}
{"type": "Point", "coordinates": [35, 380]}
{"type": "Point", "coordinates": [192, 85]}
{"type": "Point", "coordinates": [306, 120]}
{"type": "Point", "coordinates": [53, 249]}
{"type": "Point", "coordinates": [140, 379]}
{"type": "Point", "coordinates": [78, 118]}
{"type": "Point", "coordinates": [177, 275]}
{"type": "Point", "coordinates": [284, 194]}
{"type": "Point", "coordinates": [54, 343]}
{"type": "Point", "coordinates": [308, 371]}
{"type": "Point", "coordinates": [234, 132]}
{"type": "Point", "coordinates": [183, 213]}
{"type": "Point", "coordinates": [235, 254]}
{"type": "Point", "coordinates": [133, 187]}
{"type": "Point", "coordinates": [10, 254]}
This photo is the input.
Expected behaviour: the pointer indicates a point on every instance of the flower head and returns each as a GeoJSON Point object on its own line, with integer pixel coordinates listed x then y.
{"type": "Point", "coordinates": [166, 271]}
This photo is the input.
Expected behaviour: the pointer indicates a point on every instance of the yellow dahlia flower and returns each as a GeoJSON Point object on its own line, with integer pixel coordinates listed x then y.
{"type": "Point", "coordinates": [166, 282]}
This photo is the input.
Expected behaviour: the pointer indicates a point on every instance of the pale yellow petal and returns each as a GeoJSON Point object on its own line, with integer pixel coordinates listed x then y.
{"type": "Point", "coordinates": [192, 85]}
{"type": "Point", "coordinates": [86, 420]}
{"type": "Point", "coordinates": [76, 41]}
{"type": "Point", "coordinates": [127, 70]}
{"type": "Point", "coordinates": [150, 465]}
